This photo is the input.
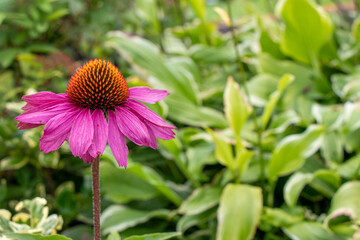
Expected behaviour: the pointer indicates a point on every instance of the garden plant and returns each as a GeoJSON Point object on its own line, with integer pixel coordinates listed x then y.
{"type": "Point", "coordinates": [179, 119]}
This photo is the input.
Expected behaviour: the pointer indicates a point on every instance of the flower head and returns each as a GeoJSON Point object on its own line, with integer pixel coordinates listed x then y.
{"type": "Point", "coordinates": [97, 108]}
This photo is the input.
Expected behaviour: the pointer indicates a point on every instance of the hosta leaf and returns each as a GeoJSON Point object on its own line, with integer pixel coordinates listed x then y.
{"type": "Point", "coordinates": [291, 152]}
{"type": "Point", "coordinates": [239, 212]}
{"type": "Point", "coordinates": [306, 31]}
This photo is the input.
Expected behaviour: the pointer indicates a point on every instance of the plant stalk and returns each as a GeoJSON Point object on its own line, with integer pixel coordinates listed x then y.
{"type": "Point", "coordinates": [96, 197]}
{"type": "Point", "coordinates": [243, 81]}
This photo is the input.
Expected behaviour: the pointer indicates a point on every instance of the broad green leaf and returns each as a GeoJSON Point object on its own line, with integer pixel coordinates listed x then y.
{"type": "Point", "coordinates": [294, 186]}
{"type": "Point", "coordinates": [28, 236]}
{"type": "Point", "coordinates": [155, 236]}
{"type": "Point", "coordinates": [190, 114]}
{"type": "Point", "coordinates": [239, 212]}
{"type": "Point", "coordinates": [132, 186]}
{"type": "Point", "coordinates": [211, 54]}
{"type": "Point", "coordinates": [310, 230]}
{"type": "Point", "coordinates": [236, 107]}
{"type": "Point", "coordinates": [347, 197]}
{"type": "Point", "coordinates": [306, 31]}
{"type": "Point", "coordinates": [118, 218]}
{"type": "Point", "coordinates": [278, 217]}
{"type": "Point", "coordinates": [201, 200]}
{"type": "Point", "coordinates": [345, 210]}
{"type": "Point", "coordinates": [223, 151]}
{"type": "Point", "coordinates": [291, 152]}
{"type": "Point", "coordinates": [274, 98]}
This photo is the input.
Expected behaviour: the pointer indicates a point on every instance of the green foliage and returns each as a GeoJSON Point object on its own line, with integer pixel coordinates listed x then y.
{"type": "Point", "coordinates": [34, 220]}
{"type": "Point", "coordinates": [267, 145]}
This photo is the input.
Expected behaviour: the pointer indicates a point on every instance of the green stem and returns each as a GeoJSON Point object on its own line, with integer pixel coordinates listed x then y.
{"type": "Point", "coordinates": [96, 197]}
{"type": "Point", "coordinates": [243, 80]}
{"type": "Point", "coordinates": [161, 27]}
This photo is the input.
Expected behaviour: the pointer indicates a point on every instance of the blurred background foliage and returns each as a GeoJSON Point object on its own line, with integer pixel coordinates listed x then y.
{"type": "Point", "coordinates": [265, 95]}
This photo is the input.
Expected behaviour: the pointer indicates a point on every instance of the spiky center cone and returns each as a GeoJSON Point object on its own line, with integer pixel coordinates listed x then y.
{"type": "Point", "coordinates": [98, 84]}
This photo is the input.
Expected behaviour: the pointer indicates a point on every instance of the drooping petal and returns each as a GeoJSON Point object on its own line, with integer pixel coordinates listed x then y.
{"type": "Point", "coordinates": [82, 133]}
{"type": "Point", "coordinates": [87, 157]}
{"type": "Point", "coordinates": [23, 126]}
{"type": "Point", "coordinates": [132, 127]}
{"type": "Point", "coordinates": [57, 131]}
{"type": "Point", "coordinates": [147, 95]}
{"type": "Point", "coordinates": [90, 154]}
{"type": "Point", "coordinates": [117, 140]}
{"type": "Point", "coordinates": [40, 98]}
{"type": "Point", "coordinates": [141, 110]}
{"type": "Point", "coordinates": [42, 117]}
{"type": "Point", "coordinates": [161, 132]}
{"type": "Point", "coordinates": [100, 131]}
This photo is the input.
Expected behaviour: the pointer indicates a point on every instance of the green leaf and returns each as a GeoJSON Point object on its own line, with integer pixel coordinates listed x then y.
{"type": "Point", "coordinates": [278, 217]}
{"type": "Point", "coordinates": [356, 29]}
{"type": "Point", "coordinates": [274, 98]}
{"type": "Point", "coordinates": [132, 186]}
{"type": "Point", "coordinates": [223, 151]}
{"type": "Point", "coordinates": [27, 236]}
{"type": "Point", "coordinates": [13, 162]}
{"type": "Point", "coordinates": [291, 152]}
{"type": "Point", "coordinates": [118, 218]}
{"type": "Point", "coordinates": [190, 114]}
{"type": "Point", "coordinates": [6, 83]}
{"type": "Point", "coordinates": [113, 236]}
{"type": "Point", "coordinates": [7, 56]}
{"type": "Point", "coordinates": [306, 31]}
{"type": "Point", "coordinates": [309, 230]}
{"type": "Point", "coordinates": [188, 221]}
{"type": "Point", "coordinates": [261, 87]}
{"type": "Point", "coordinates": [201, 200]}
{"type": "Point", "coordinates": [236, 108]}
{"type": "Point", "coordinates": [155, 236]}
{"type": "Point", "coordinates": [294, 186]}
{"type": "Point", "coordinates": [199, 8]}
{"type": "Point", "coordinates": [345, 210]}
{"type": "Point", "coordinates": [154, 179]}
{"type": "Point", "coordinates": [236, 199]}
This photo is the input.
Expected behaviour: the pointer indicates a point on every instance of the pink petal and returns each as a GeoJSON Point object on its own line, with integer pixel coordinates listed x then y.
{"type": "Point", "coordinates": [42, 117]}
{"type": "Point", "coordinates": [132, 127]}
{"type": "Point", "coordinates": [43, 97]}
{"type": "Point", "coordinates": [148, 95]}
{"type": "Point", "coordinates": [117, 141]}
{"type": "Point", "coordinates": [161, 132]}
{"type": "Point", "coordinates": [88, 158]}
{"type": "Point", "coordinates": [82, 133]}
{"type": "Point", "coordinates": [23, 126]}
{"type": "Point", "coordinates": [57, 130]}
{"type": "Point", "coordinates": [100, 131]}
{"type": "Point", "coordinates": [141, 110]}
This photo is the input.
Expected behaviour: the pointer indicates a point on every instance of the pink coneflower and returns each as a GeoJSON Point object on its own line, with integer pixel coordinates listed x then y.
{"type": "Point", "coordinates": [98, 107]}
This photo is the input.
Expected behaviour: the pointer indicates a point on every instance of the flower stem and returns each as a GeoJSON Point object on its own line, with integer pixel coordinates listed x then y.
{"type": "Point", "coordinates": [96, 198]}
